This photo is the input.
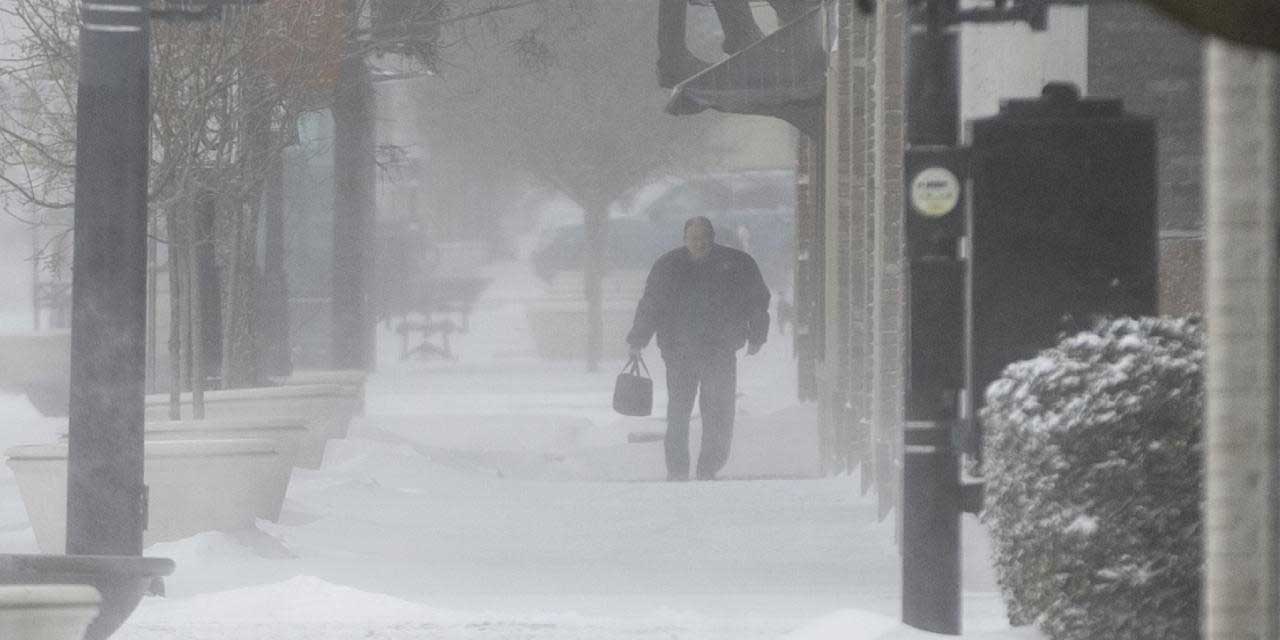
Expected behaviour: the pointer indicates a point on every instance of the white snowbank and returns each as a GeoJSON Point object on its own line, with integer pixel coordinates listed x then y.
{"type": "Point", "coordinates": [20, 423]}
{"type": "Point", "coordinates": [850, 624]}
{"type": "Point", "coordinates": [854, 624]}
{"type": "Point", "coordinates": [309, 608]}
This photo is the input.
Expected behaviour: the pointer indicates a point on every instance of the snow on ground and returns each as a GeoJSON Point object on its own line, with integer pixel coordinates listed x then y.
{"type": "Point", "coordinates": [498, 497]}
{"type": "Point", "coordinates": [20, 423]}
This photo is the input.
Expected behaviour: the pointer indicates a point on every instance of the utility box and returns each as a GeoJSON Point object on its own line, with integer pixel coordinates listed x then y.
{"type": "Point", "coordinates": [1064, 228]}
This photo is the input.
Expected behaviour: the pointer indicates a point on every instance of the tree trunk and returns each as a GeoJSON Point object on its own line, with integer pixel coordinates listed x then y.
{"type": "Point", "coordinates": [273, 313]}
{"type": "Point", "coordinates": [1242, 597]}
{"type": "Point", "coordinates": [240, 360]}
{"type": "Point", "coordinates": [353, 207]}
{"type": "Point", "coordinates": [190, 337]}
{"type": "Point", "coordinates": [200, 258]}
{"type": "Point", "coordinates": [597, 230]}
{"type": "Point", "coordinates": [177, 239]}
{"type": "Point", "coordinates": [241, 340]}
{"type": "Point", "coordinates": [152, 302]}
{"type": "Point", "coordinates": [35, 278]}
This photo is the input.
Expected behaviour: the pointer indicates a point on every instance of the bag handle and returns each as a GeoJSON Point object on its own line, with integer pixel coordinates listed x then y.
{"type": "Point", "coordinates": [634, 365]}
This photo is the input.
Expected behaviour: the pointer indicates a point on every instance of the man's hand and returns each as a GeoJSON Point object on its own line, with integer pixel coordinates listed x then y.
{"type": "Point", "coordinates": [634, 351]}
{"type": "Point", "coordinates": [753, 348]}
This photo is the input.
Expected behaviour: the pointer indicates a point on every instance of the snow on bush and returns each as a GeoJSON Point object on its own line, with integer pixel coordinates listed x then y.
{"type": "Point", "coordinates": [1092, 461]}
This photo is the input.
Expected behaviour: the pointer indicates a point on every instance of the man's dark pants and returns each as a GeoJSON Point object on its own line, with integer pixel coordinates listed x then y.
{"type": "Point", "coordinates": [712, 377]}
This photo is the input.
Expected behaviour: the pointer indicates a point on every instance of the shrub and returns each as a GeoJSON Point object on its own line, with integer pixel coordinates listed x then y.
{"type": "Point", "coordinates": [1092, 460]}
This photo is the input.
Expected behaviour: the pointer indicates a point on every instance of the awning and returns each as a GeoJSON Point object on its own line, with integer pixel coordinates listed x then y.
{"type": "Point", "coordinates": [1251, 22]}
{"type": "Point", "coordinates": [783, 75]}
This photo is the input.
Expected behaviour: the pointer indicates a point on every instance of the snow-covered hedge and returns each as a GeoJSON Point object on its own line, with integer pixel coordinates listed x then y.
{"type": "Point", "coordinates": [1092, 462]}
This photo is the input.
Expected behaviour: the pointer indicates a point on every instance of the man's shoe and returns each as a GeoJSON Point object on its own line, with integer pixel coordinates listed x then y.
{"type": "Point", "coordinates": [677, 477]}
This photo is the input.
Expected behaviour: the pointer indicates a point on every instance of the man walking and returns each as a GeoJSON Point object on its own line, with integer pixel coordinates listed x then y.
{"type": "Point", "coordinates": [704, 301]}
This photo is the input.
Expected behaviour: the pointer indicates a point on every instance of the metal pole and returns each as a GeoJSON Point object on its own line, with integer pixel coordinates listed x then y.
{"type": "Point", "coordinates": [105, 494]}
{"type": "Point", "coordinates": [353, 204]}
{"type": "Point", "coordinates": [931, 483]}
{"type": "Point", "coordinates": [350, 229]}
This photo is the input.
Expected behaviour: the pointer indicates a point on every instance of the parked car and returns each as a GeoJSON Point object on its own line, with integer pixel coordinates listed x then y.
{"type": "Point", "coordinates": [751, 210]}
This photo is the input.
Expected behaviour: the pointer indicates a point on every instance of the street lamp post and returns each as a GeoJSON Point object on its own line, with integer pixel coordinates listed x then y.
{"type": "Point", "coordinates": [939, 421]}
{"type": "Point", "coordinates": [935, 223]}
{"type": "Point", "coordinates": [106, 499]}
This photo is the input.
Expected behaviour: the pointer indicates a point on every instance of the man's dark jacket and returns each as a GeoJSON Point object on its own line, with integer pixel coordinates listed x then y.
{"type": "Point", "coordinates": [715, 305]}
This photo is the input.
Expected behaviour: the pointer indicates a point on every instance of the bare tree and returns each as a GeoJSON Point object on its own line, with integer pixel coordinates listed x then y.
{"type": "Point", "coordinates": [569, 99]}
{"type": "Point", "coordinates": [225, 94]}
{"type": "Point", "coordinates": [409, 33]}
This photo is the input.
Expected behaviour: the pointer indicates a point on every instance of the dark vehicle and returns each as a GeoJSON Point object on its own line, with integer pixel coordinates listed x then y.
{"type": "Point", "coordinates": [633, 244]}
{"type": "Point", "coordinates": [751, 210]}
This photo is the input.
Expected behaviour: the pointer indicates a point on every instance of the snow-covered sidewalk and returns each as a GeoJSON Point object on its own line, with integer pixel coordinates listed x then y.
{"type": "Point", "coordinates": [499, 497]}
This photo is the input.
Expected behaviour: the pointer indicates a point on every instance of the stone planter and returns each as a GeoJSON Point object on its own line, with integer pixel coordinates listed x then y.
{"type": "Point", "coordinates": [39, 365]}
{"type": "Point", "coordinates": [47, 612]}
{"type": "Point", "coordinates": [121, 581]}
{"type": "Point", "coordinates": [352, 379]}
{"type": "Point", "coordinates": [194, 486]}
{"type": "Point", "coordinates": [558, 320]}
{"type": "Point", "coordinates": [327, 410]}
{"type": "Point", "coordinates": [288, 433]}
{"type": "Point", "coordinates": [559, 328]}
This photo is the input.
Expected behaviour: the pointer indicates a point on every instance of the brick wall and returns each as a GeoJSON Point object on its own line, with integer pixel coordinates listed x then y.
{"type": "Point", "coordinates": [1155, 66]}
{"type": "Point", "coordinates": [834, 397]}
{"type": "Point", "coordinates": [889, 286]}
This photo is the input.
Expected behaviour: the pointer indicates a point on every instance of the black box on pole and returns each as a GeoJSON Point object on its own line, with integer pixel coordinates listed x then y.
{"type": "Point", "coordinates": [1064, 225]}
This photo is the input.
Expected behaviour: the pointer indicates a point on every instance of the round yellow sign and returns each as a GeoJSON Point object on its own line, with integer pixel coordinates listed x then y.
{"type": "Point", "coordinates": [935, 192]}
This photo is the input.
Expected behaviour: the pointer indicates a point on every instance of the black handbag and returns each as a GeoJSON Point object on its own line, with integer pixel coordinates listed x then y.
{"type": "Point", "coordinates": [633, 391]}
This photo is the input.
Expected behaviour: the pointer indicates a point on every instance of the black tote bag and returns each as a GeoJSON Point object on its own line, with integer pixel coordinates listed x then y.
{"type": "Point", "coordinates": [633, 391]}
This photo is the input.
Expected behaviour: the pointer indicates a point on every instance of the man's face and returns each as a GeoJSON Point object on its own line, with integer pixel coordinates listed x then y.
{"type": "Point", "coordinates": [697, 239]}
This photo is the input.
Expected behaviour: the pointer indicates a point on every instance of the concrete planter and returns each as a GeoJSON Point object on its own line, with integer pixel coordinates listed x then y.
{"type": "Point", "coordinates": [559, 328]}
{"type": "Point", "coordinates": [39, 365]}
{"type": "Point", "coordinates": [288, 434]}
{"type": "Point", "coordinates": [326, 409]}
{"type": "Point", "coordinates": [352, 379]}
{"type": "Point", "coordinates": [121, 581]}
{"type": "Point", "coordinates": [558, 321]}
{"type": "Point", "coordinates": [195, 486]}
{"type": "Point", "coordinates": [47, 612]}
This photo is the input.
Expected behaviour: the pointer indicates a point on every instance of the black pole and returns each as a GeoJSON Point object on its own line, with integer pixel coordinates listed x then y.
{"type": "Point", "coordinates": [931, 482]}
{"type": "Point", "coordinates": [105, 494]}
{"type": "Point", "coordinates": [354, 179]}
{"type": "Point", "coordinates": [933, 77]}
{"type": "Point", "coordinates": [206, 292]}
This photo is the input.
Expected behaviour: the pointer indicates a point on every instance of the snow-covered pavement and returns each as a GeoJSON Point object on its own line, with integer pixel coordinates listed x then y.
{"type": "Point", "coordinates": [499, 497]}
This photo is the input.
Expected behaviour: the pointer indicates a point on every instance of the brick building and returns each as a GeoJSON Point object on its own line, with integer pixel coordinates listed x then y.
{"type": "Point", "coordinates": [1155, 66]}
